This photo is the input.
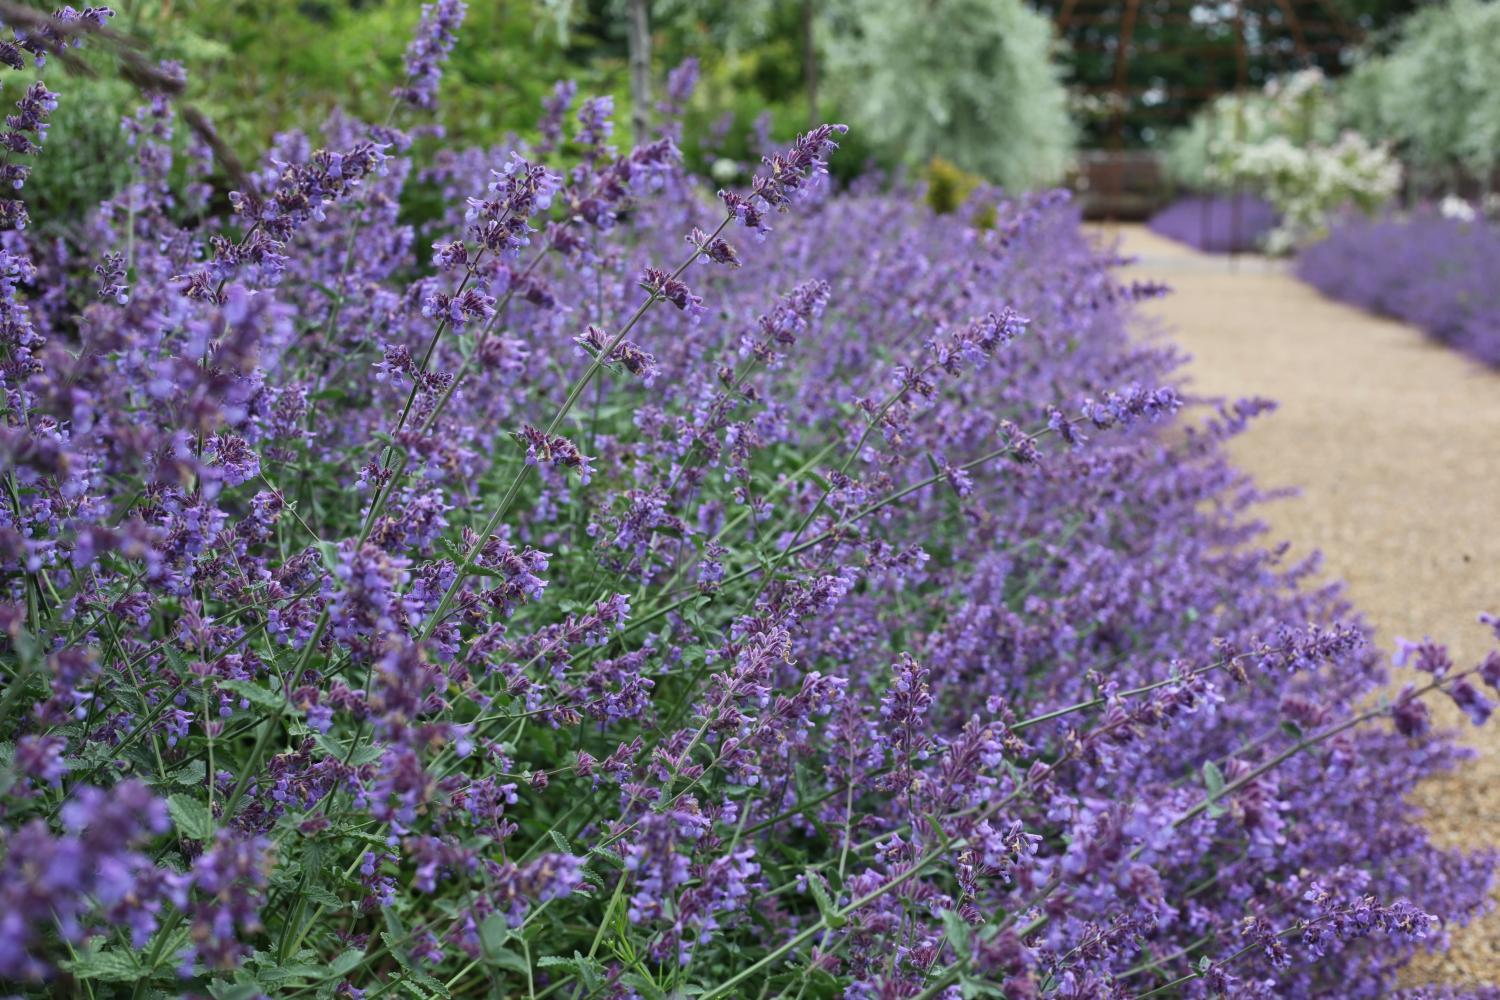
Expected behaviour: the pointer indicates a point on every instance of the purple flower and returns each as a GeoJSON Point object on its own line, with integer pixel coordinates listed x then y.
{"type": "Point", "coordinates": [429, 49]}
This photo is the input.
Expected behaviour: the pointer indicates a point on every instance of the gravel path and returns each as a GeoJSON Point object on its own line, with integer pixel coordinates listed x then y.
{"type": "Point", "coordinates": [1394, 442]}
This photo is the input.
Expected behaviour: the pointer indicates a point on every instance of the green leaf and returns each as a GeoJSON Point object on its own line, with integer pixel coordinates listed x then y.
{"type": "Point", "coordinates": [317, 894]}
{"type": "Point", "coordinates": [180, 665]}
{"type": "Point", "coordinates": [958, 932]}
{"type": "Point", "coordinates": [191, 774]}
{"type": "Point", "coordinates": [260, 697]}
{"type": "Point", "coordinates": [826, 906]}
{"type": "Point", "coordinates": [493, 933]}
{"type": "Point", "coordinates": [106, 966]}
{"type": "Point", "coordinates": [365, 753]}
{"type": "Point", "coordinates": [643, 985]}
{"type": "Point", "coordinates": [1292, 729]}
{"type": "Point", "coordinates": [1213, 779]}
{"type": "Point", "coordinates": [937, 830]}
{"type": "Point", "coordinates": [191, 817]}
{"type": "Point", "coordinates": [413, 973]}
{"type": "Point", "coordinates": [273, 975]}
{"type": "Point", "coordinates": [234, 991]}
{"type": "Point", "coordinates": [507, 959]}
{"type": "Point", "coordinates": [347, 960]}
{"type": "Point", "coordinates": [330, 553]}
{"type": "Point", "coordinates": [612, 857]}
{"type": "Point", "coordinates": [590, 971]}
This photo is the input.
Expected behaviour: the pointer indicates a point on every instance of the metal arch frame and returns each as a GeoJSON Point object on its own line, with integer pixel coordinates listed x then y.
{"type": "Point", "coordinates": [1291, 24]}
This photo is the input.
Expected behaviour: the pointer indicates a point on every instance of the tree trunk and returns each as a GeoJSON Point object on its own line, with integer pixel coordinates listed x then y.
{"type": "Point", "coordinates": [640, 68]}
{"type": "Point", "coordinates": [810, 62]}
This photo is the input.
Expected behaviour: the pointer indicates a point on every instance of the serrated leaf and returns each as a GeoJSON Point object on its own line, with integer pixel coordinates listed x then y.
{"type": "Point", "coordinates": [642, 985]}
{"type": "Point", "coordinates": [260, 697]}
{"type": "Point", "coordinates": [364, 753]}
{"type": "Point", "coordinates": [507, 959]}
{"type": "Point", "coordinates": [317, 894]}
{"type": "Point", "coordinates": [191, 774]}
{"type": "Point", "coordinates": [191, 817]}
{"type": "Point", "coordinates": [106, 966]}
{"type": "Point", "coordinates": [826, 905]}
{"type": "Point", "coordinates": [330, 553]}
{"type": "Point", "coordinates": [414, 974]}
{"type": "Point", "coordinates": [279, 975]}
{"type": "Point", "coordinates": [177, 660]}
{"type": "Point", "coordinates": [958, 932]}
{"type": "Point", "coordinates": [493, 933]}
{"type": "Point", "coordinates": [608, 855]}
{"type": "Point", "coordinates": [345, 961]}
{"type": "Point", "coordinates": [1213, 780]}
{"type": "Point", "coordinates": [590, 971]}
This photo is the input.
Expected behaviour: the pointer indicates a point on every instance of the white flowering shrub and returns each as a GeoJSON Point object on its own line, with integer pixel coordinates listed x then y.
{"type": "Point", "coordinates": [1307, 183]}
{"type": "Point", "coordinates": [1285, 143]}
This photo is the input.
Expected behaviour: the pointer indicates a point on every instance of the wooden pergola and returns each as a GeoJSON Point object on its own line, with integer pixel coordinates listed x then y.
{"type": "Point", "coordinates": [1152, 63]}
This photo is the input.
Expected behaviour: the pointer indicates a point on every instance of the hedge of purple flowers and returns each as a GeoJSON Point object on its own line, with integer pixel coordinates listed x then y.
{"type": "Point", "coordinates": [1211, 223]}
{"type": "Point", "coordinates": [1438, 273]}
{"type": "Point", "coordinates": [646, 594]}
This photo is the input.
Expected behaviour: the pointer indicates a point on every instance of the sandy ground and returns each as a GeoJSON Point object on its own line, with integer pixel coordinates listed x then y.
{"type": "Point", "coordinates": [1394, 442]}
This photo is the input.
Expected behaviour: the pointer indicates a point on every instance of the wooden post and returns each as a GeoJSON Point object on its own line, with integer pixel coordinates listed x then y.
{"type": "Point", "coordinates": [1122, 67]}
{"type": "Point", "coordinates": [1241, 72]}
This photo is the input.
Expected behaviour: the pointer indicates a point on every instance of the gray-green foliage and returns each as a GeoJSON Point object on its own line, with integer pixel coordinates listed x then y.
{"type": "Point", "coordinates": [1437, 92]}
{"type": "Point", "coordinates": [1186, 151]}
{"type": "Point", "coordinates": [969, 80]}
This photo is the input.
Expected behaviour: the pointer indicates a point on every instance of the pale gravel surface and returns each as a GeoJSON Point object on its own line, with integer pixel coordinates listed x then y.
{"type": "Point", "coordinates": [1394, 442]}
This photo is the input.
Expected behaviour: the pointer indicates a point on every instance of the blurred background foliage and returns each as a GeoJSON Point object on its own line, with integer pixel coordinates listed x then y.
{"type": "Point", "coordinates": [981, 84]}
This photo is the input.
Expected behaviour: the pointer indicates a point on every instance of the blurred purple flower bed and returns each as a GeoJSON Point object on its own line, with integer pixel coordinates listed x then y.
{"type": "Point", "coordinates": [613, 588]}
{"type": "Point", "coordinates": [1210, 223]}
{"type": "Point", "coordinates": [1438, 273]}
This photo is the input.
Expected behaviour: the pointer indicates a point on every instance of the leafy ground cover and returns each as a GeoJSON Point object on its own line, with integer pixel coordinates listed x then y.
{"type": "Point", "coordinates": [642, 593]}
{"type": "Point", "coordinates": [1434, 271]}
{"type": "Point", "coordinates": [1211, 223]}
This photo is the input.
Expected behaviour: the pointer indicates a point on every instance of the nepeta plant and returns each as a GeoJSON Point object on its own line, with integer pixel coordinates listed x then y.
{"type": "Point", "coordinates": [1215, 223]}
{"type": "Point", "coordinates": [1424, 267]}
{"type": "Point", "coordinates": [639, 593]}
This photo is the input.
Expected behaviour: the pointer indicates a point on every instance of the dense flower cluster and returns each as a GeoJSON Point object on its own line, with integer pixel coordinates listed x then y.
{"type": "Point", "coordinates": [1439, 270]}
{"type": "Point", "coordinates": [1215, 223]}
{"type": "Point", "coordinates": [435, 38]}
{"type": "Point", "coordinates": [571, 612]}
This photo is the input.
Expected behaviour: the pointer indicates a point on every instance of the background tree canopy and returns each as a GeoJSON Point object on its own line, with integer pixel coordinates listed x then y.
{"type": "Point", "coordinates": [989, 98]}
